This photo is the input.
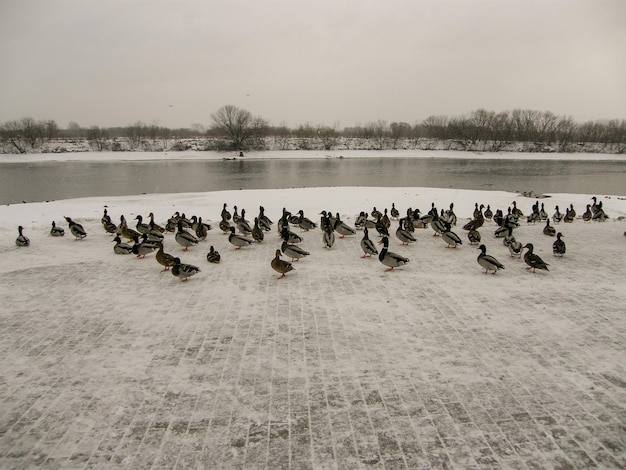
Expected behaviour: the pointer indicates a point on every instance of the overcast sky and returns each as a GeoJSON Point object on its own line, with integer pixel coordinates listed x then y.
{"type": "Point", "coordinates": [114, 62]}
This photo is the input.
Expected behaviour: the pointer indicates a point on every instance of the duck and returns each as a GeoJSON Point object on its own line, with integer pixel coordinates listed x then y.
{"type": "Point", "coordinates": [488, 262]}
{"type": "Point", "coordinates": [381, 228]}
{"type": "Point", "coordinates": [498, 217]}
{"type": "Point", "coordinates": [202, 229]}
{"type": "Point", "coordinates": [367, 245]}
{"type": "Point", "coordinates": [106, 218]}
{"type": "Point", "coordinates": [395, 213]}
{"type": "Point", "coordinates": [172, 222]}
{"type": "Point", "coordinates": [153, 234]}
{"type": "Point", "coordinates": [599, 214]}
{"type": "Point", "coordinates": [289, 236]}
{"type": "Point", "coordinates": [110, 227]}
{"type": "Point", "coordinates": [515, 211]}
{"type": "Point", "coordinates": [451, 238]}
{"type": "Point", "coordinates": [404, 235]}
{"type": "Point", "coordinates": [389, 258]}
{"type": "Point", "coordinates": [474, 237]}
{"type": "Point", "coordinates": [438, 225]}
{"type": "Point", "coordinates": [359, 222]}
{"type": "Point", "coordinates": [450, 216]}
{"type": "Point", "coordinates": [121, 248]}
{"type": "Point", "coordinates": [184, 238]}
{"type": "Point", "coordinates": [22, 240]}
{"type": "Point", "coordinates": [280, 265]}
{"type": "Point", "coordinates": [385, 220]}
{"type": "Point", "coordinates": [125, 231]}
{"type": "Point", "coordinates": [238, 241]}
{"type": "Point", "coordinates": [328, 237]}
{"type": "Point", "coordinates": [572, 211]}
{"type": "Point", "coordinates": [376, 213]}
{"type": "Point", "coordinates": [558, 247]}
{"type": "Point", "coordinates": [141, 249]}
{"type": "Point", "coordinates": [557, 216]}
{"type": "Point", "coordinates": [542, 212]}
{"type": "Point", "coordinates": [515, 247]}
{"type": "Point", "coordinates": [549, 230]}
{"type": "Point", "coordinates": [164, 259]}
{"type": "Point", "coordinates": [56, 231]}
{"type": "Point", "coordinates": [224, 226]}
{"type": "Point", "coordinates": [264, 221]}
{"type": "Point", "coordinates": [342, 228]}
{"type": "Point", "coordinates": [295, 252]}
{"type": "Point", "coordinates": [77, 229]}
{"type": "Point", "coordinates": [587, 215]}
{"type": "Point", "coordinates": [477, 221]}
{"type": "Point", "coordinates": [141, 227]}
{"type": "Point", "coordinates": [488, 214]}
{"type": "Point", "coordinates": [568, 218]}
{"type": "Point", "coordinates": [184, 271]}
{"type": "Point", "coordinates": [305, 223]}
{"type": "Point", "coordinates": [257, 233]}
{"type": "Point", "coordinates": [154, 225]}
{"type": "Point", "coordinates": [213, 256]}
{"type": "Point", "coordinates": [534, 261]}
{"type": "Point", "coordinates": [242, 224]}
{"type": "Point", "coordinates": [477, 211]}
{"type": "Point", "coordinates": [225, 214]}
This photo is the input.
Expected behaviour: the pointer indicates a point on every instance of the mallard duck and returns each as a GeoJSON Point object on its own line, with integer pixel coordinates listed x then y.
{"type": "Point", "coordinates": [242, 224]}
{"type": "Point", "coordinates": [549, 230]}
{"type": "Point", "coordinates": [395, 213]}
{"type": "Point", "coordinates": [257, 233]}
{"type": "Point", "coordinates": [110, 227]}
{"type": "Point", "coordinates": [153, 234]}
{"type": "Point", "coordinates": [184, 238]}
{"type": "Point", "coordinates": [106, 218]}
{"type": "Point", "coordinates": [599, 215]}
{"type": "Point", "coordinates": [22, 240]}
{"type": "Point", "coordinates": [572, 211]}
{"type": "Point", "coordinates": [236, 216]}
{"type": "Point", "coordinates": [305, 223]}
{"type": "Point", "coordinates": [202, 229]}
{"type": "Point", "coordinates": [385, 220]}
{"type": "Point", "coordinates": [237, 240]}
{"type": "Point", "coordinates": [367, 245]}
{"type": "Point", "coordinates": [77, 229]}
{"type": "Point", "coordinates": [388, 258]}
{"type": "Point", "coordinates": [477, 221]}
{"type": "Point", "coordinates": [450, 216]}
{"type": "Point", "coordinates": [474, 237]}
{"type": "Point", "coordinates": [376, 213]}
{"type": "Point", "coordinates": [141, 249]}
{"type": "Point", "coordinates": [184, 271]}
{"type": "Point", "coordinates": [293, 251]}
{"type": "Point", "coordinates": [164, 259]}
{"type": "Point", "coordinates": [290, 236]}
{"type": "Point", "coordinates": [488, 214]}
{"type": "Point", "coordinates": [225, 214]}
{"type": "Point", "coordinates": [488, 262]}
{"type": "Point", "coordinates": [515, 247]}
{"type": "Point", "coordinates": [56, 231]}
{"type": "Point", "coordinates": [506, 241]}
{"type": "Point", "coordinates": [587, 215]}
{"type": "Point", "coordinates": [154, 225]}
{"type": "Point", "coordinates": [542, 212]}
{"type": "Point", "coordinates": [438, 225]}
{"type": "Point", "coordinates": [281, 266]}
{"type": "Point", "coordinates": [477, 211]}
{"type": "Point", "coordinates": [404, 235]}
{"type": "Point", "coordinates": [342, 228]}
{"type": "Point", "coordinates": [359, 221]}
{"type": "Point", "coordinates": [498, 217]}
{"type": "Point", "coordinates": [224, 226]}
{"type": "Point", "coordinates": [213, 256]}
{"type": "Point", "coordinates": [264, 221]}
{"type": "Point", "coordinates": [381, 228]}
{"type": "Point", "coordinates": [125, 231]}
{"type": "Point", "coordinates": [558, 247]}
{"type": "Point", "coordinates": [328, 237]}
{"type": "Point", "coordinates": [557, 216]}
{"type": "Point", "coordinates": [568, 218]}
{"type": "Point", "coordinates": [141, 227]}
{"type": "Point", "coordinates": [121, 248]}
{"type": "Point", "coordinates": [451, 238]}
{"type": "Point", "coordinates": [515, 211]}
{"type": "Point", "coordinates": [534, 261]}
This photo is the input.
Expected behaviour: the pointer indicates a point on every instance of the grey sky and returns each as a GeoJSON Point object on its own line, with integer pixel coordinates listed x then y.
{"type": "Point", "coordinates": [114, 62]}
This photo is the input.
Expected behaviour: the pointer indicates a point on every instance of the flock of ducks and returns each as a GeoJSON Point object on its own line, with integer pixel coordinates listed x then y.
{"type": "Point", "coordinates": [148, 237]}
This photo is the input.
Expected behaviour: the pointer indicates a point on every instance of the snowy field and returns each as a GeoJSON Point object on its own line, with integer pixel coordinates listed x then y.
{"type": "Point", "coordinates": [108, 362]}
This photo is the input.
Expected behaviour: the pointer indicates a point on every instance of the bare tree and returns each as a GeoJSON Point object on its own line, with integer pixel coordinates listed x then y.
{"type": "Point", "coordinates": [240, 127]}
{"type": "Point", "coordinates": [98, 138]}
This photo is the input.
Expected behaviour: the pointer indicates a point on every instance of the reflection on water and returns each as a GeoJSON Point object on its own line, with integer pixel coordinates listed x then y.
{"type": "Point", "coordinates": [64, 180]}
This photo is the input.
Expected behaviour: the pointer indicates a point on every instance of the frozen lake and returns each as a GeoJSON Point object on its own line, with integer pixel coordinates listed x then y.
{"type": "Point", "coordinates": [53, 180]}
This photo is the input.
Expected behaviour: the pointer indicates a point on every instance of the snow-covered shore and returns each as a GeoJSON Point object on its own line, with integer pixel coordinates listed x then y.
{"type": "Point", "coordinates": [108, 362]}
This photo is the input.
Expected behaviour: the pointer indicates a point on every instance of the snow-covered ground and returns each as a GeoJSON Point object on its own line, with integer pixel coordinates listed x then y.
{"type": "Point", "coordinates": [108, 362]}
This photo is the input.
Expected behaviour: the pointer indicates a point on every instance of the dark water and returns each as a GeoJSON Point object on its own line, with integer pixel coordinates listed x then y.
{"type": "Point", "coordinates": [64, 180]}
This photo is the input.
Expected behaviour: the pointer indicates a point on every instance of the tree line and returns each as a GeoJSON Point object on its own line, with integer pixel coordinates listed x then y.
{"type": "Point", "coordinates": [233, 128]}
